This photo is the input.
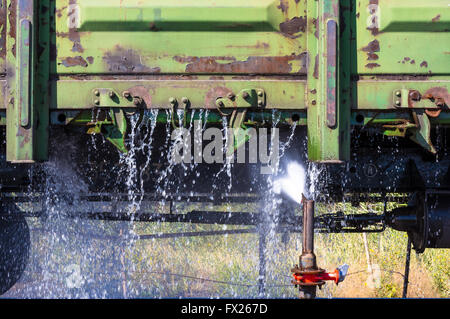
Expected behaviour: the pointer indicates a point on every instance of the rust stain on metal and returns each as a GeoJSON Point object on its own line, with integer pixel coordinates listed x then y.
{"type": "Point", "coordinates": [12, 9]}
{"type": "Point", "coordinates": [126, 60]}
{"type": "Point", "coordinates": [372, 65]}
{"type": "Point", "coordinates": [433, 113]}
{"type": "Point", "coordinates": [436, 18]}
{"type": "Point", "coordinates": [371, 48]}
{"type": "Point", "coordinates": [316, 67]}
{"type": "Point", "coordinates": [73, 35]}
{"type": "Point", "coordinates": [373, 28]}
{"type": "Point", "coordinates": [215, 93]}
{"type": "Point", "coordinates": [439, 95]}
{"type": "Point", "coordinates": [3, 28]}
{"type": "Point", "coordinates": [60, 10]}
{"type": "Point", "coordinates": [74, 61]}
{"type": "Point", "coordinates": [283, 6]}
{"type": "Point", "coordinates": [424, 64]}
{"type": "Point", "coordinates": [254, 64]}
{"type": "Point", "coordinates": [257, 45]}
{"type": "Point", "coordinates": [413, 96]}
{"type": "Point", "coordinates": [143, 93]}
{"type": "Point", "coordinates": [316, 27]}
{"type": "Point", "coordinates": [153, 27]}
{"type": "Point", "coordinates": [294, 25]}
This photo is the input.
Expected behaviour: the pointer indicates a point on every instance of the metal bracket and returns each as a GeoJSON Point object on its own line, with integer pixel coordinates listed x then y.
{"type": "Point", "coordinates": [411, 98]}
{"type": "Point", "coordinates": [245, 98]}
{"type": "Point", "coordinates": [107, 97]}
{"type": "Point", "coordinates": [115, 132]}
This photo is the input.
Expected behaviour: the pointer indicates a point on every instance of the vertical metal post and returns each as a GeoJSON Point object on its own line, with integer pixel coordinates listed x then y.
{"type": "Point", "coordinates": [308, 258]}
{"type": "Point", "coordinates": [406, 278]}
{"type": "Point", "coordinates": [19, 95]}
{"type": "Point", "coordinates": [262, 263]}
{"type": "Point", "coordinates": [26, 120]}
{"type": "Point", "coordinates": [328, 112]}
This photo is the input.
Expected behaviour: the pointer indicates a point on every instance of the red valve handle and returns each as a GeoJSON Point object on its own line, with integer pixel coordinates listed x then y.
{"type": "Point", "coordinates": [313, 278]}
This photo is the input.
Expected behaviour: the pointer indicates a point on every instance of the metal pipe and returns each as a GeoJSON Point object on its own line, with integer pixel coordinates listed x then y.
{"type": "Point", "coordinates": [308, 226]}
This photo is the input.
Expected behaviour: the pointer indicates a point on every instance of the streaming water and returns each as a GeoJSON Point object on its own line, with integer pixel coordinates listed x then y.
{"type": "Point", "coordinates": [75, 257]}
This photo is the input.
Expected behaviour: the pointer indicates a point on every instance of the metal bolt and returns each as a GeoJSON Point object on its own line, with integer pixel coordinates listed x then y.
{"type": "Point", "coordinates": [398, 103]}
{"type": "Point", "coordinates": [260, 93]}
{"type": "Point", "coordinates": [96, 92]}
{"type": "Point", "coordinates": [398, 93]}
{"type": "Point", "coordinates": [184, 100]}
{"type": "Point", "coordinates": [172, 100]}
{"type": "Point", "coordinates": [415, 95]}
{"type": "Point", "coordinates": [137, 101]}
{"type": "Point", "coordinates": [260, 102]}
{"type": "Point", "coordinates": [245, 95]}
{"type": "Point", "coordinates": [126, 94]}
{"type": "Point", "coordinates": [96, 102]}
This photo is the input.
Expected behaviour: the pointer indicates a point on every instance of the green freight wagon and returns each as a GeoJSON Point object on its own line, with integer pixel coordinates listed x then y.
{"type": "Point", "coordinates": [355, 91]}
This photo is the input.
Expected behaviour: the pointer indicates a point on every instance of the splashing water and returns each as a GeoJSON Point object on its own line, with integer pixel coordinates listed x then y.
{"type": "Point", "coordinates": [99, 259]}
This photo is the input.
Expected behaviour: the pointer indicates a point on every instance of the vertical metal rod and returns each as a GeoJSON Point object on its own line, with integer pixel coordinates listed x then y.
{"type": "Point", "coordinates": [308, 259]}
{"type": "Point", "coordinates": [406, 278]}
{"type": "Point", "coordinates": [308, 226]}
{"type": "Point", "coordinates": [262, 264]}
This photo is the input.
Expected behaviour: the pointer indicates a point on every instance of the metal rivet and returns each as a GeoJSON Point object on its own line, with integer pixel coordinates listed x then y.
{"type": "Point", "coordinates": [126, 94]}
{"type": "Point", "coordinates": [184, 100]}
{"type": "Point", "coordinates": [96, 102]}
{"type": "Point", "coordinates": [96, 92]}
{"type": "Point", "coordinates": [398, 103]}
{"type": "Point", "coordinates": [172, 100]}
{"type": "Point", "coordinates": [112, 94]}
{"type": "Point", "coordinates": [260, 93]}
{"type": "Point", "coordinates": [260, 103]}
{"type": "Point", "coordinates": [398, 93]}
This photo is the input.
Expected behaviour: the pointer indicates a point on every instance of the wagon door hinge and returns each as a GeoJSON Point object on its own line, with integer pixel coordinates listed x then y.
{"type": "Point", "coordinates": [422, 107]}
{"type": "Point", "coordinates": [114, 132]}
{"type": "Point", "coordinates": [240, 103]}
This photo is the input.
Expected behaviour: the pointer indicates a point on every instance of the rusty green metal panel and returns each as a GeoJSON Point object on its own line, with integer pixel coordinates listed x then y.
{"type": "Point", "coordinates": [201, 91]}
{"type": "Point", "coordinates": [340, 61]}
{"type": "Point", "coordinates": [195, 37]}
{"type": "Point", "coordinates": [403, 37]}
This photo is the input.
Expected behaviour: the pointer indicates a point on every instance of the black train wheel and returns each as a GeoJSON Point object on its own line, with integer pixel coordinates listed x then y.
{"type": "Point", "coordinates": [14, 250]}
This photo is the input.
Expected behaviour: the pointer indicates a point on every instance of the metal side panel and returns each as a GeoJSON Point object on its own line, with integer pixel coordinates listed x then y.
{"type": "Point", "coordinates": [179, 37]}
{"type": "Point", "coordinates": [403, 36]}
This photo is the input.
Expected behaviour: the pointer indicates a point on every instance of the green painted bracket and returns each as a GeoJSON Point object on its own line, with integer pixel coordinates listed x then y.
{"type": "Point", "coordinates": [421, 134]}
{"type": "Point", "coordinates": [115, 132]}
{"type": "Point", "coordinates": [240, 136]}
